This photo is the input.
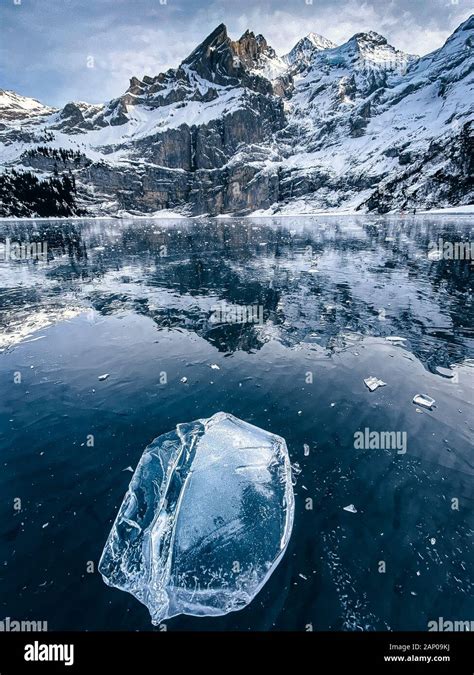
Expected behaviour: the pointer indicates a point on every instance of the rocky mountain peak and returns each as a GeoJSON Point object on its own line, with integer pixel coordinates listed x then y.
{"type": "Point", "coordinates": [371, 51]}
{"type": "Point", "coordinates": [319, 41]}
{"type": "Point", "coordinates": [223, 62]}
{"type": "Point", "coordinates": [251, 48]}
{"type": "Point", "coordinates": [212, 42]}
{"type": "Point", "coordinates": [369, 37]}
{"type": "Point", "coordinates": [300, 56]}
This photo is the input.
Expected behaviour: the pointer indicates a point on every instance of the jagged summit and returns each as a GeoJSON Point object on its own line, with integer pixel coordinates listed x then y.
{"type": "Point", "coordinates": [368, 51]}
{"type": "Point", "coordinates": [304, 49]}
{"type": "Point", "coordinates": [213, 41]}
{"type": "Point", "coordinates": [225, 62]}
{"type": "Point", "coordinates": [216, 65]}
{"type": "Point", "coordinates": [370, 36]}
{"type": "Point", "coordinates": [320, 41]}
{"type": "Point", "coordinates": [251, 49]}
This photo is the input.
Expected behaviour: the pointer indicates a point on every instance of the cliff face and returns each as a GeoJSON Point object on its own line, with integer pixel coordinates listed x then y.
{"type": "Point", "coordinates": [237, 129]}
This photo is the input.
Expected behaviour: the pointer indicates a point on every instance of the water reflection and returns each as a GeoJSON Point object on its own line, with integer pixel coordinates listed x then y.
{"type": "Point", "coordinates": [314, 279]}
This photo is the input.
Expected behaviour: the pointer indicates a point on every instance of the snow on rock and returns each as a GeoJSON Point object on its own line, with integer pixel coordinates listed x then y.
{"type": "Point", "coordinates": [237, 129]}
{"type": "Point", "coordinates": [14, 106]}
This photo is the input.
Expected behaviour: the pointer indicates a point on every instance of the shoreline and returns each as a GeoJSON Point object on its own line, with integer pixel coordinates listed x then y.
{"type": "Point", "coordinates": [466, 210]}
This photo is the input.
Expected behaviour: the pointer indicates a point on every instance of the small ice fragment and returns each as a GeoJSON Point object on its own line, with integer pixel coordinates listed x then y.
{"type": "Point", "coordinates": [129, 468]}
{"type": "Point", "coordinates": [296, 470]}
{"type": "Point", "coordinates": [303, 576]}
{"type": "Point", "coordinates": [214, 366]}
{"type": "Point", "coordinates": [424, 400]}
{"type": "Point", "coordinates": [45, 525]}
{"type": "Point", "coordinates": [432, 541]}
{"type": "Point", "coordinates": [395, 338]}
{"type": "Point", "coordinates": [351, 508]}
{"type": "Point", "coordinates": [205, 521]}
{"type": "Point", "coordinates": [184, 380]}
{"type": "Point", "coordinates": [373, 383]}
{"type": "Point", "coordinates": [306, 449]}
{"type": "Point", "coordinates": [101, 378]}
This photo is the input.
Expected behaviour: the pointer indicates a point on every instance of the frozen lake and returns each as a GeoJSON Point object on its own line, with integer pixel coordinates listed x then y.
{"type": "Point", "coordinates": [277, 321]}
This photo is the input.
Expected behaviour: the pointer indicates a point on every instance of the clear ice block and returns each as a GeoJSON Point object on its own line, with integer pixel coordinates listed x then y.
{"type": "Point", "coordinates": [205, 521]}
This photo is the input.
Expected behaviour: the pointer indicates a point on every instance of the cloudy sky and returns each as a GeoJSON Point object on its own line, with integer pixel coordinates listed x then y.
{"type": "Point", "coordinates": [64, 50]}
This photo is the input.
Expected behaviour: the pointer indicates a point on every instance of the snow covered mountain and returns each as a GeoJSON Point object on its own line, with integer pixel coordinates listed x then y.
{"type": "Point", "coordinates": [13, 106]}
{"type": "Point", "coordinates": [237, 129]}
{"type": "Point", "coordinates": [301, 54]}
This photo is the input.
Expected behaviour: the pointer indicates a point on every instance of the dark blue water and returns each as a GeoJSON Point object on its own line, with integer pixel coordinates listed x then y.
{"type": "Point", "coordinates": [134, 299]}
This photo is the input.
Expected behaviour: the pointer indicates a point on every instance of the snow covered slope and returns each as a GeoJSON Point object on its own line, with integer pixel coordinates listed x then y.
{"type": "Point", "coordinates": [15, 107]}
{"type": "Point", "coordinates": [301, 54]}
{"type": "Point", "coordinates": [381, 129]}
{"type": "Point", "coordinates": [235, 128]}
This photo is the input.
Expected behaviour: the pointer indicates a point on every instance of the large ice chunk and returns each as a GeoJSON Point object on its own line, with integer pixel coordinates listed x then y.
{"type": "Point", "coordinates": [205, 521]}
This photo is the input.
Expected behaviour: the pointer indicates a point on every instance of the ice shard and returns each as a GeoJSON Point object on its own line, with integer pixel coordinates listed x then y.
{"type": "Point", "coordinates": [205, 521]}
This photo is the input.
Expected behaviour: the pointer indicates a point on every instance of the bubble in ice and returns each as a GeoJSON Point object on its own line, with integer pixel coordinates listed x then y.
{"type": "Point", "coordinates": [205, 521]}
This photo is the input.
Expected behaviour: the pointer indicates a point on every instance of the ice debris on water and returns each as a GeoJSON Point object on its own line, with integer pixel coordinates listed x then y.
{"type": "Point", "coordinates": [306, 449]}
{"type": "Point", "coordinates": [395, 339]}
{"type": "Point", "coordinates": [214, 366]}
{"type": "Point", "coordinates": [205, 521]}
{"type": "Point", "coordinates": [373, 383]}
{"type": "Point", "coordinates": [351, 508]}
{"type": "Point", "coordinates": [184, 380]}
{"type": "Point", "coordinates": [295, 471]}
{"type": "Point", "coordinates": [424, 400]}
{"type": "Point", "coordinates": [101, 378]}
